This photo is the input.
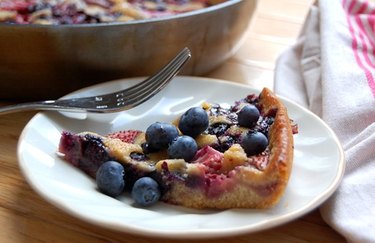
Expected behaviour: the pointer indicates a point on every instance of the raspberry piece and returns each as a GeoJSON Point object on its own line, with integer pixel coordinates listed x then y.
{"type": "Point", "coordinates": [261, 160]}
{"type": "Point", "coordinates": [209, 157]}
{"type": "Point", "coordinates": [127, 136]}
{"type": "Point", "coordinates": [16, 5]}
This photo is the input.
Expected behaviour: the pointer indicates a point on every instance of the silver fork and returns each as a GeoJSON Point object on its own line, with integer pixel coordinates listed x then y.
{"type": "Point", "coordinates": [111, 102]}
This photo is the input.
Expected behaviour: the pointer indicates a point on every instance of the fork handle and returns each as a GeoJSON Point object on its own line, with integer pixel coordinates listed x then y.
{"type": "Point", "coordinates": [40, 105]}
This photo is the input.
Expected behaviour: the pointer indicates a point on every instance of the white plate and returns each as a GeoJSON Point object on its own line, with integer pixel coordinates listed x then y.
{"type": "Point", "coordinates": [317, 170]}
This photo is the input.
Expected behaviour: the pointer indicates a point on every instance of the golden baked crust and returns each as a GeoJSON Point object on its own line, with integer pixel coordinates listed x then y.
{"type": "Point", "coordinates": [214, 179]}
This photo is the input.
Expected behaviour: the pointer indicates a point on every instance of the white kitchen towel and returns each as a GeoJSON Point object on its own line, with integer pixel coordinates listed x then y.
{"type": "Point", "coordinates": [331, 71]}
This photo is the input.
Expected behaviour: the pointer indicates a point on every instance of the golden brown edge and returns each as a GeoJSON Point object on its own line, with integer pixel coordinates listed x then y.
{"type": "Point", "coordinates": [281, 144]}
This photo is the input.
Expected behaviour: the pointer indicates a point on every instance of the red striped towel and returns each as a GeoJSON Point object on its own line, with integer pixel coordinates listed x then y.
{"type": "Point", "coordinates": [360, 17]}
{"type": "Point", "coordinates": [331, 71]}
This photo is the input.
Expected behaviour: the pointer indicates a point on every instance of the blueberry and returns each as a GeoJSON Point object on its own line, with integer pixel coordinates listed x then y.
{"type": "Point", "coordinates": [193, 122]}
{"type": "Point", "coordinates": [110, 178]}
{"type": "Point", "coordinates": [248, 116]}
{"type": "Point", "coordinates": [183, 147]}
{"type": "Point", "coordinates": [145, 191]}
{"type": "Point", "coordinates": [159, 135]}
{"type": "Point", "coordinates": [254, 143]}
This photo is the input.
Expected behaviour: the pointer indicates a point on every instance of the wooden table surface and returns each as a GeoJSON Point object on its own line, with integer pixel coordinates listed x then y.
{"type": "Point", "coordinates": [27, 217]}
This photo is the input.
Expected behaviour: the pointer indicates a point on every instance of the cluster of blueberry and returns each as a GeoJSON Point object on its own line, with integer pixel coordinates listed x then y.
{"type": "Point", "coordinates": [110, 181]}
{"type": "Point", "coordinates": [159, 136]}
{"type": "Point", "coordinates": [253, 139]}
{"type": "Point", "coordinates": [253, 142]}
{"type": "Point", "coordinates": [165, 136]}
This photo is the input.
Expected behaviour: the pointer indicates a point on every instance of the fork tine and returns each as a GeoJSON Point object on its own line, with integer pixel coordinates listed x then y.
{"type": "Point", "coordinates": [173, 66]}
{"type": "Point", "coordinates": [158, 81]}
{"type": "Point", "coordinates": [153, 80]}
{"type": "Point", "coordinates": [136, 94]}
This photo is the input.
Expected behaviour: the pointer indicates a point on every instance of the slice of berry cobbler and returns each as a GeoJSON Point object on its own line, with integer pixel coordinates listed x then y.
{"type": "Point", "coordinates": [210, 157]}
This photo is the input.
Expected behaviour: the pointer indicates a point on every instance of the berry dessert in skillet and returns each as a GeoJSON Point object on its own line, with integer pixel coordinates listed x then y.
{"type": "Point", "coordinates": [209, 157]}
{"type": "Point", "coordinates": [60, 12]}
